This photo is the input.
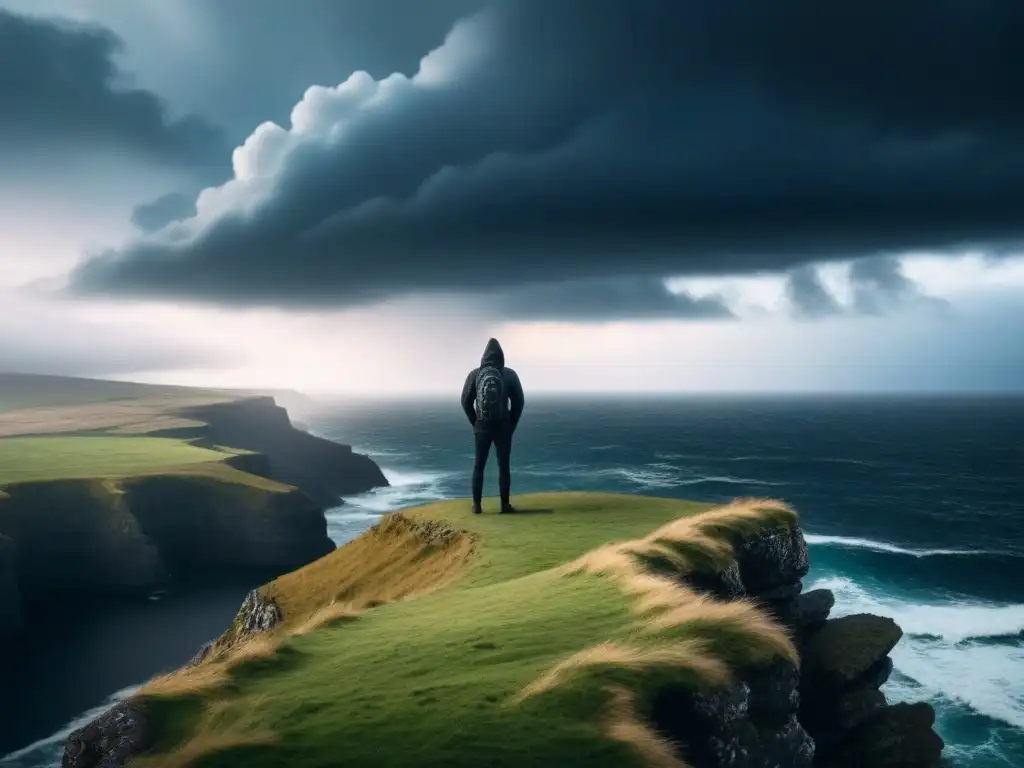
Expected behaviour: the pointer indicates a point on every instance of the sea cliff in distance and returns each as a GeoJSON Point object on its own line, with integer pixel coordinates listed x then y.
{"type": "Point", "coordinates": [113, 488]}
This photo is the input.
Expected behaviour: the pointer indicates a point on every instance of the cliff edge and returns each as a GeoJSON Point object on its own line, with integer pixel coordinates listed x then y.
{"type": "Point", "coordinates": [444, 638]}
{"type": "Point", "coordinates": [112, 491]}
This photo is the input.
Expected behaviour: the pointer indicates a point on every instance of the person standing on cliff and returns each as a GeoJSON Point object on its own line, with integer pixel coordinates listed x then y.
{"type": "Point", "coordinates": [492, 398]}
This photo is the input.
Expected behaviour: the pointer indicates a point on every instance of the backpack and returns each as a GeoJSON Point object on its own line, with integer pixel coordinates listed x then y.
{"type": "Point", "coordinates": [491, 403]}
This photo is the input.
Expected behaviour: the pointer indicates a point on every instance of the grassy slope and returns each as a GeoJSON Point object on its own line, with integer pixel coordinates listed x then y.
{"type": "Point", "coordinates": [435, 680]}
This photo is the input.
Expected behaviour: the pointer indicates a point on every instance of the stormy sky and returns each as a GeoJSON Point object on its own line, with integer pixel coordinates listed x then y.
{"type": "Point", "coordinates": [632, 194]}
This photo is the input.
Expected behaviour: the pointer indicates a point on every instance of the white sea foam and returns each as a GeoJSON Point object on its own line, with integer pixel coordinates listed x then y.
{"type": "Point", "coordinates": [406, 489]}
{"type": "Point", "coordinates": [660, 475]}
{"type": "Point", "coordinates": [851, 542]}
{"type": "Point", "coordinates": [46, 753]}
{"type": "Point", "coordinates": [949, 650]}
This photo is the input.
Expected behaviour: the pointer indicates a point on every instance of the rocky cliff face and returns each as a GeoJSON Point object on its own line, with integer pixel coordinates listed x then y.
{"type": "Point", "coordinates": [104, 537]}
{"type": "Point", "coordinates": [325, 470]}
{"type": "Point", "coordinates": [829, 713]}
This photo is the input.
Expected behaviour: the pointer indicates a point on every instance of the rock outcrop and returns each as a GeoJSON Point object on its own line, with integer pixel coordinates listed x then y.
{"type": "Point", "coordinates": [830, 712]}
{"type": "Point", "coordinates": [112, 739]}
{"type": "Point", "coordinates": [130, 537]}
{"type": "Point", "coordinates": [325, 470]}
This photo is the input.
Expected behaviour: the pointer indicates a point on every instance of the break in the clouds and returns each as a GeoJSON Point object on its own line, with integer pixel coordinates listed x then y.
{"type": "Point", "coordinates": [555, 141]}
{"type": "Point", "coordinates": [62, 93]}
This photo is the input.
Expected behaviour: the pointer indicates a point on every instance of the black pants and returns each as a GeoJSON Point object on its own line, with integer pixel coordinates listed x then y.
{"type": "Point", "coordinates": [502, 440]}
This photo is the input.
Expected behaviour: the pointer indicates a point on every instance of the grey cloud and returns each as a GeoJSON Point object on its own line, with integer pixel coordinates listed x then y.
{"type": "Point", "coordinates": [577, 140]}
{"type": "Point", "coordinates": [60, 93]}
{"type": "Point", "coordinates": [808, 296]}
{"type": "Point", "coordinates": [594, 301]}
{"type": "Point", "coordinates": [174, 206]}
{"type": "Point", "coordinates": [880, 286]}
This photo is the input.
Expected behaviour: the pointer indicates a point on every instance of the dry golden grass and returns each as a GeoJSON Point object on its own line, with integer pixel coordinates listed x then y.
{"type": "Point", "coordinates": [622, 723]}
{"type": "Point", "coordinates": [123, 416]}
{"type": "Point", "coordinates": [326, 615]}
{"type": "Point", "coordinates": [397, 559]}
{"type": "Point", "coordinates": [210, 736]}
{"type": "Point", "coordinates": [689, 654]}
{"type": "Point", "coordinates": [214, 669]}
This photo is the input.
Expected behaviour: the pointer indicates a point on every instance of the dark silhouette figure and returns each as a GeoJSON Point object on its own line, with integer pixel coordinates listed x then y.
{"type": "Point", "coordinates": [493, 401]}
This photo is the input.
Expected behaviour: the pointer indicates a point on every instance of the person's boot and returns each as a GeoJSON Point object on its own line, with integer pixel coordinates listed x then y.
{"type": "Point", "coordinates": [507, 508]}
{"type": "Point", "coordinates": [477, 509]}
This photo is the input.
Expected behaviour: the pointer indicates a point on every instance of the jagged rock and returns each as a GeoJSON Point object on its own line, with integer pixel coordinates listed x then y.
{"type": "Point", "coordinates": [110, 740]}
{"type": "Point", "coordinates": [774, 691]}
{"type": "Point", "coordinates": [739, 726]}
{"type": "Point", "coordinates": [786, 745]}
{"type": "Point", "coordinates": [10, 594]}
{"type": "Point", "coordinates": [257, 614]}
{"type": "Point", "coordinates": [781, 601]}
{"type": "Point", "coordinates": [876, 676]}
{"type": "Point", "coordinates": [846, 649]}
{"type": "Point", "coordinates": [828, 722]}
{"type": "Point", "coordinates": [773, 557]}
{"type": "Point", "coordinates": [200, 655]}
{"type": "Point", "coordinates": [812, 610]}
{"type": "Point", "coordinates": [901, 736]}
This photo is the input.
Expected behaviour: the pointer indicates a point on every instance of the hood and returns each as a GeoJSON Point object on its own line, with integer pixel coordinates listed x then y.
{"type": "Point", "coordinates": [493, 355]}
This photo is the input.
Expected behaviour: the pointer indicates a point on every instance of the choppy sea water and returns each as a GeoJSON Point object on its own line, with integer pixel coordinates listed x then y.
{"type": "Point", "coordinates": [914, 509]}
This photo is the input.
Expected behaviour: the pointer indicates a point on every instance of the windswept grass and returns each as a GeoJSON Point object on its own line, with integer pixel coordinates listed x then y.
{"type": "Point", "coordinates": [521, 640]}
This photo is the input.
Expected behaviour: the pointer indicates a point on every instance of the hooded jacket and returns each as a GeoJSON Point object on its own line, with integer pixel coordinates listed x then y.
{"type": "Point", "coordinates": [494, 357]}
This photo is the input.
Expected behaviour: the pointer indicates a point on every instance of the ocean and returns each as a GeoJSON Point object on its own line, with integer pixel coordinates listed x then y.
{"type": "Point", "coordinates": [913, 506]}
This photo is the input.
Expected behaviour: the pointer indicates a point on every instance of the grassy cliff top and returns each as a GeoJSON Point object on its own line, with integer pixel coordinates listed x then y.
{"type": "Point", "coordinates": [24, 459]}
{"type": "Point", "coordinates": [444, 638]}
{"type": "Point", "coordinates": [63, 428]}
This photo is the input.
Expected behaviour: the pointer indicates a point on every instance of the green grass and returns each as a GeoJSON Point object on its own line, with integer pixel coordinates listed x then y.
{"type": "Point", "coordinates": [433, 680]}
{"type": "Point", "coordinates": [27, 459]}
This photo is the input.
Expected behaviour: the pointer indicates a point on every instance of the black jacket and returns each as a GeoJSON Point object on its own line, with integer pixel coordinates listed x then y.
{"type": "Point", "coordinates": [494, 357]}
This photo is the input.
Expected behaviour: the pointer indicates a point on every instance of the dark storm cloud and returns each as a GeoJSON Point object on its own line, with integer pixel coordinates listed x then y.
{"type": "Point", "coordinates": [808, 296]}
{"type": "Point", "coordinates": [606, 300]}
{"type": "Point", "coordinates": [550, 141]}
{"type": "Point", "coordinates": [174, 206]}
{"type": "Point", "coordinates": [59, 92]}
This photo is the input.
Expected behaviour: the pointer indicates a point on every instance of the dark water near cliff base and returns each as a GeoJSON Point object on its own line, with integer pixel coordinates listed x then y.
{"type": "Point", "coordinates": [914, 509]}
{"type": "Point", "coordinates": [75, 659]}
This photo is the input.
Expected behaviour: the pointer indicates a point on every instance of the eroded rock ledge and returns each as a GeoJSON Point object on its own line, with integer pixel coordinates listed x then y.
{"type": "Point", "coordinates": [830, 712]}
